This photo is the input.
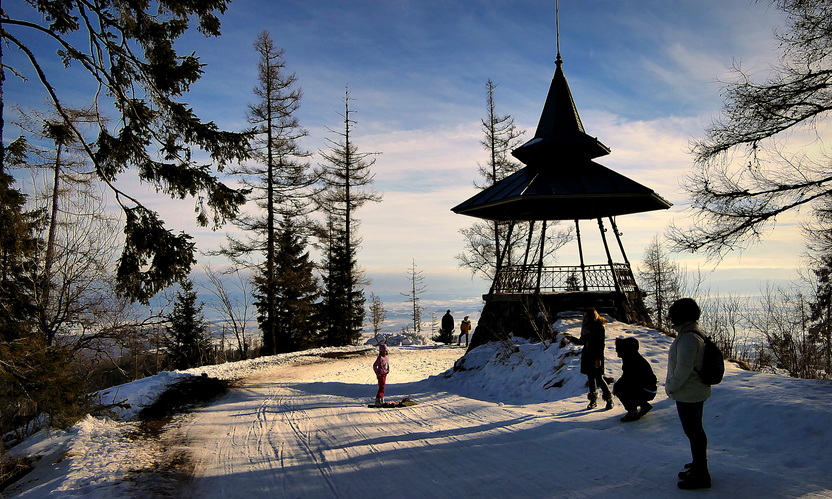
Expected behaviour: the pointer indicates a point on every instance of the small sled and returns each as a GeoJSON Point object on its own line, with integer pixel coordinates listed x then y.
{"type": "Point", "coordinates": [405, 402]}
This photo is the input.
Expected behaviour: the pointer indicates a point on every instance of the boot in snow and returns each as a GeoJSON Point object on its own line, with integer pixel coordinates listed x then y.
{"type": "Point", "coordinates": [609, 404]}
{"type": "Point", "coordinates": [697, 477]}
{"type": "Point", "coordinates": [630, 416]}
{"type": "Point", "coordinates": [645, 408]}
{"type": "Point", "coordinates": [378, 402]}
{"type": "Point", "coordinates": [592, 401]}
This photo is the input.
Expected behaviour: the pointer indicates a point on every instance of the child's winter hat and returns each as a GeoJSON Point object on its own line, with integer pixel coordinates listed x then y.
{"type": "Point", "coordinates": [382, 348]}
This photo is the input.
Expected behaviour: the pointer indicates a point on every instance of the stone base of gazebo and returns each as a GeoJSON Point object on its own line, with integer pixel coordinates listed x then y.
{"type": "Point", "coordinates": [531, 315]}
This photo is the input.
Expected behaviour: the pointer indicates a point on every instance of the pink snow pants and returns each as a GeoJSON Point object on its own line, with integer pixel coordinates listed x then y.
{"type": "Point", "coordinates": [382, 383]}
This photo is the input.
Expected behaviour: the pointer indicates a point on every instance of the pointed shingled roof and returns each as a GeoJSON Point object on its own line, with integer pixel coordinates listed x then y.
{"type": "Point", "coordinates": [560, 130]}
{"type": "Point", "coordinates": [560, 181]}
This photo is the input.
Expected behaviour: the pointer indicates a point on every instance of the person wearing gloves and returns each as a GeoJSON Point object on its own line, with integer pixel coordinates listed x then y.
{"type": "Point", "coordinates": [684, 386]}
{"type": "Point", "coordinates": [381, 367]}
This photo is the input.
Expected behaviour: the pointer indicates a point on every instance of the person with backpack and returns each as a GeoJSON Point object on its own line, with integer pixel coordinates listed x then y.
{"type": "Point", "coordinates": [684, 385]}
{"type": "Point", "coordinates": [637, 385]}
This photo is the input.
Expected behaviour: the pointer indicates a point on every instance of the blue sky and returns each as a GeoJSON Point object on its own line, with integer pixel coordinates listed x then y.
{"type": "Point", "coordinates": [644, 76]}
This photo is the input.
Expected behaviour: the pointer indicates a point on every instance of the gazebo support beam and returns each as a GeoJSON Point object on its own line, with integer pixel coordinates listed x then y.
{"type": "Point", "coordinates": [609, 256]}
{"type": "Point", "coordinates": [501, 257]}
{"type": "Point", "coordinates": [528, 243]}
{"type": "Point", "coordinates": [581, 252]}
{"type": "Point", "coordinates": [540, 260]}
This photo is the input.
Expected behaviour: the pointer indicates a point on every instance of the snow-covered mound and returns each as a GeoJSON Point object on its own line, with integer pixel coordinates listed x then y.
{"type": "Point", "coordinates": [399, 340]}
{"type": "Point", "coordinates": [519, 371]}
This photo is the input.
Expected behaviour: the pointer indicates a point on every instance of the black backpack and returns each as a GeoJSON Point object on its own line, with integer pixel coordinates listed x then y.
{"type": "Point", "coordinates": [713, 364]}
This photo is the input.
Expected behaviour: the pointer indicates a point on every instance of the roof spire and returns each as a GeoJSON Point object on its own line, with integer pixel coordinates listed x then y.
{"type": "Point", "coordinates": [558, 61]}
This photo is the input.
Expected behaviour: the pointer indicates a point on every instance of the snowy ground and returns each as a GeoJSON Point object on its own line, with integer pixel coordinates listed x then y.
{"type": "Point", "coordinates": [299, 426]}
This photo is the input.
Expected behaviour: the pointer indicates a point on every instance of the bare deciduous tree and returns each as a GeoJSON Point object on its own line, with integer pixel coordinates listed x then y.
{"type": "Point", "coordinates": [660, 279]}
{"type": "Point", "coordinates": [377, 313]}
{"type": "Point", "coordinates": [747, 171]}
{"type": "Point", "coordinates": [417, 288]}
{"type": "Point", "coordinates": [232, 305]}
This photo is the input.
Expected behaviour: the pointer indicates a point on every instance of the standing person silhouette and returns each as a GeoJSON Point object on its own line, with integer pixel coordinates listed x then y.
{"type": "Point", "coordinates": [447, 328]}
{"type": "Point", "coordinates": [592, 338]}
{"type": "Point", "coordinates": [683, 385]}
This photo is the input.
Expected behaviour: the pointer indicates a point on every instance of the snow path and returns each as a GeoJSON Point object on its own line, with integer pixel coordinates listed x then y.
{"type": "Point", "coordinates": [304, 430]}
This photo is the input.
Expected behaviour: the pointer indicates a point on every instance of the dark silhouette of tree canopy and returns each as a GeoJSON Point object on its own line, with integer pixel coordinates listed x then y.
{"type": "Point", "coordinates": [137, 78]}
{"type": "Point", "coordinates": [746, 174]}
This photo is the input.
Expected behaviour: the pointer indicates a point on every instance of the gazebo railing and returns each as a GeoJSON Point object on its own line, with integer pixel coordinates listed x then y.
{"type": "Point", "coordinates": [524, 278]}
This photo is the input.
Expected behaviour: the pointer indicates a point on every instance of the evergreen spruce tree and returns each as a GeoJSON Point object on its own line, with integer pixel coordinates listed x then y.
{"type": "Point", "coordinates": [279, 183]}
{"type": "Point", "coordinates": [346, 176]}
{"type": "Point", "coordinates": [186, 340]}
{"type": "Point", "coordinates": [18, 246]}
{"type": "Point", "coordinates": [295, 292]}
{"type": "Point", "coordinates": [342, 306]}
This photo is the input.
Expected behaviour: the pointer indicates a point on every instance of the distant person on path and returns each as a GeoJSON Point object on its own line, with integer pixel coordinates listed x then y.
{"type": "Point", "coordinates": [637, 384]}
{"type": "Point", "coordinates": [684, 386]}
{"type": "Point", "coordinates": [592, 338]}
{"type": "Point", "coordinates": [447, 328]}
{"type": "Point", "coordinates": [381, 367]}
{"type": "Point", "coordinates": [464, 329]}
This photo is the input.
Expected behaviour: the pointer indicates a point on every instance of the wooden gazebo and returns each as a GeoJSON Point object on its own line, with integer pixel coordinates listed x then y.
{"type": "Point", "coordinates": [560, 181]}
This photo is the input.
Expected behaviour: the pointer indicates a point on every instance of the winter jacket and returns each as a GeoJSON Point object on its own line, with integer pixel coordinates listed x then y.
{"type": "Point", "coordinates": [465, 327]}
{"type": "Point", "coordinates": [685, 357]}
{"type": "Point", "coordinates": [381, 366]}
{"type": "Point", "coordinates": [592, 338]}
{"type": "Point", "coordinates": [636, 373]}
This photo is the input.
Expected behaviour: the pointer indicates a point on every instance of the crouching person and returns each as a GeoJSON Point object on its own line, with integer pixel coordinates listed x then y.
{"type": "Point", "coordinates": [637, 385]}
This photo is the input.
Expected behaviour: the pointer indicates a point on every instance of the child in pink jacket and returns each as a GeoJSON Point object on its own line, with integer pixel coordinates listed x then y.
{"type": "Point", "coordinates": [381, 367]}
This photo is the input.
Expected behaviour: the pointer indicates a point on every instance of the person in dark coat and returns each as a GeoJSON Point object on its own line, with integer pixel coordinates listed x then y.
{"type": "Point", "coordinates": [637, 384]}
{"type": "Point", "coordinates": [592, 338]}
{"type": "Point", "coordinates": [447, 327]}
